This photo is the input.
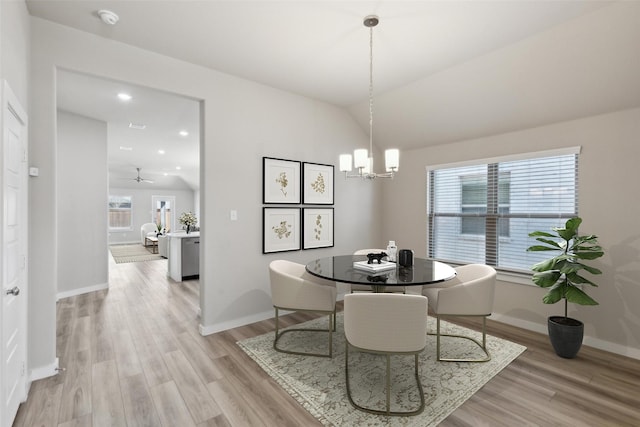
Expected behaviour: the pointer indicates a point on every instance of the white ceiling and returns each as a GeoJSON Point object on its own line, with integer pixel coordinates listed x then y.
{"type": "Point", "coordinates": [320, 49]}
{"type": "Point", "coordinates": [164, 115]}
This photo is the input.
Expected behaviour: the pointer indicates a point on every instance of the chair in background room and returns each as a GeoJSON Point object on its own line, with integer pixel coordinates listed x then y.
{"type": "Point", "coordinates": [148, 229]}
{"type": "Point", "coordinates": [470, 293]}
{"type": "Point", "coordinates": [386, 324]}
{"type": "Point", "coordinates": [293, 289]}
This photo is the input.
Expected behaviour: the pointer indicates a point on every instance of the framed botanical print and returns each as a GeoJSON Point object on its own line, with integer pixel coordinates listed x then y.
{"type": "Point", "coordinates": [280, 181]}
{"type": "Point", "coordinates": [317, 228]}
{"type": "Point", "coordinates": [317, 184]}
{"type": "Point", "coordinates": [280, 229]}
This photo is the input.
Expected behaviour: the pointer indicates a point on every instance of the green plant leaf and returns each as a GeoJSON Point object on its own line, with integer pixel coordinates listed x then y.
{"type": "Point", "coordinates": [566, 234]}
{"type": "Point", "coordinates": [546, 265]}
{"type": "Point", "coordinates": [586, 239]}
{"type": "Point", "coordinates": [553, 296]}
{"type": "Point", "coordinates": [588, 254]}
{"type": "Point", "coordinates": [575, 278]}
{"type": "Point", "coordinates": [541, 233]}
{"type": "Point", "coordinates": [577, 296]}
{"type": "Point", "coordinates": [550, 242]}
{"type": "Point", "coordinates": [538, 248]}
{"type": "Point", "coordinates": [545, 279]}
{"type": "Point", "coordinates": [570, 267]}
{"type": "Point", "coordinates": [573, 223]}
{"type": "Point", "coordinates": [591, 270]}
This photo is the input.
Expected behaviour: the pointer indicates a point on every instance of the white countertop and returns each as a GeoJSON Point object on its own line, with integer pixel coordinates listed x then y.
{"type": "Point", "coordinates": [184, 235]}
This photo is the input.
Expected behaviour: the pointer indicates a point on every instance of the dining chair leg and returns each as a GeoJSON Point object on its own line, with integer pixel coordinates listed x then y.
{"type": "Point", "coordinates": [482, 345]}
{"type": "Point", "coordinates": [387, 410]}
{"type": "Point", "coordinates": [331, 328]}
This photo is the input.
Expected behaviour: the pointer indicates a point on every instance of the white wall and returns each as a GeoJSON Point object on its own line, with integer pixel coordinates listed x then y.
{"type": "Point", "coordinates": [608, 204]}
{"type": "Point", "coordinates": [81, 204]}
{"type": "Point", "coordinates": [142, 209]}
{"type": "Point", "coordinates": [242, 121]}
{"type": "Point", "coordinates": [14, 48]}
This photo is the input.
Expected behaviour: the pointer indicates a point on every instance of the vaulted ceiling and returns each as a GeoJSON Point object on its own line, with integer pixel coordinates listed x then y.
{"type": "Point", "coordinates": [443, 70]}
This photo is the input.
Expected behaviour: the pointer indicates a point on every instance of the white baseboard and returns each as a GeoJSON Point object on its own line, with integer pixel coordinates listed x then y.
{"type": "Point", "coordinates": [44, 371]}
{"type": "Point", "coordinates": [80, 291]}
{"type": "Point", "coordinates": [588, 341]}
{"type": "Point", "coordinates": [223, 326]}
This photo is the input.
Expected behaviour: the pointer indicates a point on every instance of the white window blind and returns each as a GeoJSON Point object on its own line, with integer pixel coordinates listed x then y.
{"type": "Point", "coordinates": [483, 212]}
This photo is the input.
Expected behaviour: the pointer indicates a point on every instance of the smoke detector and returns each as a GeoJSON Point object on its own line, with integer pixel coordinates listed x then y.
{"type": "Point", "coordinates": [108, 17]}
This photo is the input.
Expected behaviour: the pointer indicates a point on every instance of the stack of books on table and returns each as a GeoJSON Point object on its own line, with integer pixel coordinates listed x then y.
{"type": "Point", "coordinates": [374, 267]}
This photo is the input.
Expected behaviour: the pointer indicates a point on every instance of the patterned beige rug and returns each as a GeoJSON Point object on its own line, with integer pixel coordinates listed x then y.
{"type": "Point", "coordinates": [318, 383]}
{"type": "Point", "coordinates": [132, 253]}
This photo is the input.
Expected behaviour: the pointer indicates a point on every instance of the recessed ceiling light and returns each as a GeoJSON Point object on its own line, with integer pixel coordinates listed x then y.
{"type": "Point", "coordinates": [126, 148]}
{"type": "Point", "coordinates": [184, 133]}
{"type": "Point", "coordinates": [178, 168]}
{"type": "Point", "coordinates": [137, 126]}
{"type": "Point", "coordinates": [160, 151]}
{"type": "Point", "coordinates": [165, 174]}
{"type": "Point", "coordinates": [124, 96]}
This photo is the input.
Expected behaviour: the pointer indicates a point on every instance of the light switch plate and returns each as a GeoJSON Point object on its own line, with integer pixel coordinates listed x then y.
{"type": "Point", "coordinates": [33, 171]}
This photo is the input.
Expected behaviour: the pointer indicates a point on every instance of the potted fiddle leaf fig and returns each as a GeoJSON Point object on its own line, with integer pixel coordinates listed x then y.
{"type": "Point", "coordinates": [563, 276]}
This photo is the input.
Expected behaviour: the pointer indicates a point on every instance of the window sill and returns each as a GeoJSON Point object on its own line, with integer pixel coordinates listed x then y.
{"type": "Point", "coordinates": [120, 230]}
{"type": "Point", "coordinates": [518, 278]}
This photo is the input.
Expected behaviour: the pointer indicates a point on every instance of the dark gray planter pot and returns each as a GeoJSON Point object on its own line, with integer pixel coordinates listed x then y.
{"type": "Point", "coordinates": [566, 335]}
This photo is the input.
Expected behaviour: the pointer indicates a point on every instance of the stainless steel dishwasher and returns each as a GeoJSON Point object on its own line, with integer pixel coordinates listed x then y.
{"type": "Point", "coordinates": [190, 256]}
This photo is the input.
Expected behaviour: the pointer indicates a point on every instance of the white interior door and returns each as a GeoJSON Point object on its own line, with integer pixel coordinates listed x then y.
{"type": "Point", "coordinates": [13, 253]}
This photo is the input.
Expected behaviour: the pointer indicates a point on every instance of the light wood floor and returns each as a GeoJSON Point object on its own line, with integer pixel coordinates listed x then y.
{"type": "Point", "coordinates": [133, 357]}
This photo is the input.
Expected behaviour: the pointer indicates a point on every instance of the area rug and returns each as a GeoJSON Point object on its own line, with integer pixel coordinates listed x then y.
{"type": "Point", "coordinates": [318, 383]}
{"type": "Point", "coordinates": [132, 253]}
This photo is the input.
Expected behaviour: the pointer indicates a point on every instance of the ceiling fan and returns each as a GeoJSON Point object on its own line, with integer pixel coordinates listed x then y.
{"type": "Point", "coordinates": [140, 179]}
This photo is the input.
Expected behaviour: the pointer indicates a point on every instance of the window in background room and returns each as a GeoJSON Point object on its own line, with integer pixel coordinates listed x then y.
{"type": "Point", "coordinates": [162, 208]}
{"type": "Point", "coordinates": [483, 212]}
{"type": "Point", "coordinates": [120, 213]}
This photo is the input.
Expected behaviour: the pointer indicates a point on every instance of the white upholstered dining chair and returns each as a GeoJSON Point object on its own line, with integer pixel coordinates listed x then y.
{"type": "Point", "coordinates": [386, 324]}
{"type": "Point", "coordinates": [470, 293]}
{"type": "Point", "coordinates": [294, 289]}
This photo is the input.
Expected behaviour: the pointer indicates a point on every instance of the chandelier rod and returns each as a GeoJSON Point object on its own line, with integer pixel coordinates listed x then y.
{"type": "Point", "coordinates": [371, 24]}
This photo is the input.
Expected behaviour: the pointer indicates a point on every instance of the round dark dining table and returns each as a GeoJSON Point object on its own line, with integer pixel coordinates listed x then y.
{"type": "Point", "coordinates": [341, 268]}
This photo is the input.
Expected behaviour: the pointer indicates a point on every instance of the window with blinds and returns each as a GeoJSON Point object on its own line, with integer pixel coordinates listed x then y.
{"type": "Point", "coordinates": [483, 212]}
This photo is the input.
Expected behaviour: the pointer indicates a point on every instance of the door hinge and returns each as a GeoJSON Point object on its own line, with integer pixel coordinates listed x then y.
{"type": "Point", "coordinates": [22, 370]}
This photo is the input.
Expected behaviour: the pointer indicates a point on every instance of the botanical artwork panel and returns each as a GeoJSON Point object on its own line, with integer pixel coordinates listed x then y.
{"type": "Point", "coordinates": [317, 228]}
{"type": "Point", "coordinates": [317, 185]}
{"type": "Point", "coordinates": [281, 229]}
{"type": "Point", "coordinates": [281, 181]}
